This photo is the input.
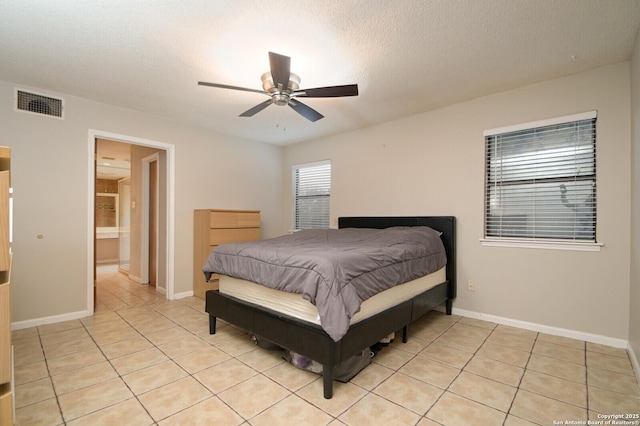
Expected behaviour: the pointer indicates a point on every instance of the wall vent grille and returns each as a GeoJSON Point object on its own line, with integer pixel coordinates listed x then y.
{"type": "Point", "coordinates": [36, 103]}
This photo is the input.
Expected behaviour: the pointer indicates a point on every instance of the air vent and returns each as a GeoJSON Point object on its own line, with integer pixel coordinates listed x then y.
{"type": "Point", "coordinates": [36, 103]}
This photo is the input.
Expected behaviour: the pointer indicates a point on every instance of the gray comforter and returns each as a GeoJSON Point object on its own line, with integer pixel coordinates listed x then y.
{"type": "Point", "coordinates": [335, 269]}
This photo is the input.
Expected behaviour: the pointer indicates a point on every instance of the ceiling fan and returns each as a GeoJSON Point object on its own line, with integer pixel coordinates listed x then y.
{"type": "Point", "coordinates": [282, 87]}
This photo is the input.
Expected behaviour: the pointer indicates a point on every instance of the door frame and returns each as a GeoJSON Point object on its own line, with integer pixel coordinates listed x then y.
{"type": "Point", "coordinates": [169, 252]}
{"type": "Point", "coordinates": [146, 207]}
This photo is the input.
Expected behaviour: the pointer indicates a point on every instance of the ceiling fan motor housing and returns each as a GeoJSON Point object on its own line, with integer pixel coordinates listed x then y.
{"type": "Point", "coordinates": [280, 95]}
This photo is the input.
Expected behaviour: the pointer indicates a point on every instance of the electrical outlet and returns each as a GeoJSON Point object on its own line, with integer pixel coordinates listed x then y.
{"type": "Point", "coordinates": [471, 286]}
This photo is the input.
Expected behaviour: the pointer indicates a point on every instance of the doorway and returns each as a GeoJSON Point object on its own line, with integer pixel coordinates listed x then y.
{"type": "Point", "coordinates": [149, 197]}
{"type": "Point", "coordinates": [150, 219]}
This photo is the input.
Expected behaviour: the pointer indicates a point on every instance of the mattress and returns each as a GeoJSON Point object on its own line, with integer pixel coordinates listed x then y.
{"type": "Point", "coordinates": [334, 269]}
{"type": "Point", "coordinates": [294, 305]}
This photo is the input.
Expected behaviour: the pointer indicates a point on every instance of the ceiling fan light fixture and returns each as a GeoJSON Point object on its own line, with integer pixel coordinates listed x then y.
{"type": "Point", "coordinates": [280, 98]}
{"type": "Point", "coordinates": [269, 86]}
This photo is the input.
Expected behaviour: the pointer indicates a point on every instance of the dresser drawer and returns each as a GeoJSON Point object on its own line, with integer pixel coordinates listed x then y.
{"type": "Point", "coordinates": [213, 227]}
{"type": "Point", "coordinates": [249, 220]}
{"type": "Point", "coordinates": [231, 219]}
{"type": "Point", "coordinates": [238, 235]}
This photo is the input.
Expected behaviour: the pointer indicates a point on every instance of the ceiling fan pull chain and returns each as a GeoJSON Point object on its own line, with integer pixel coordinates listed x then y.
{"type": "Point", "coordinates": [284, 124]}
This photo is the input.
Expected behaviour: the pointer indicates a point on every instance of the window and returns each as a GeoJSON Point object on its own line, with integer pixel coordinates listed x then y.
{"type": "Point", "coordinates": [311, 195]}
{"type": "Point", "coordinates": [541, 181]}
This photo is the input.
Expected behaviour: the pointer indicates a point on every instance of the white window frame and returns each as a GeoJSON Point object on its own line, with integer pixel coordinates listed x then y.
{"type": "Point", "coordinates": [326, 217]}
{"type": "Point", "coordinates": [542, 243]}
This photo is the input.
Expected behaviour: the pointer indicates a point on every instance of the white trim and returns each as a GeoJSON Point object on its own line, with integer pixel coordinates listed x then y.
{"type": "Point", "coordinates": [144, 226]}
{"type": "Point", "coordinates": [106, 261]}
{"type": "Point", "coordinates": [539, 244]}
{"type": "Point", "coordinates": [170, 236]}
{"type": "Point", "coordinates": [556, 331]}
{"type": "Point", "coordinates": [634, 361]}
{"type": "Point", "coordinates": [547, 243]}
{"type": "Point", "coordinates": [312, 164]}
{"type": "Point", "coordinates": [135, 278]}
{"type": "Point", "coordinates": [297, 167]}
{"type": "Point", "coordinates": [183, 294]}
{"type": "Point", "coordinates": [91, 190]}
{"type": "Point", "coordinates": [144, 255]}
{"type": "Point", "coordinates": [171, 225]}
{"type": "Point", "coordinates": [19, 325]}
{"type": "Point", "coordinates": [541, 123]}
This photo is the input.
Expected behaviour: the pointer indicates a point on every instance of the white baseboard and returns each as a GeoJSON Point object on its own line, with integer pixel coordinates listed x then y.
{"type": "Point", "coordinates": [634, 361]}
{"type": "Point", "coordinates": [107, 261]}
{"type": "Point", "coordinates": [136, 279]}
{"type": "Point", "coordinates": [556, 331]}
{"type": "Point", "coordinates": [19, 325]}
{"type": "Point", "coordinates": [183, 295]}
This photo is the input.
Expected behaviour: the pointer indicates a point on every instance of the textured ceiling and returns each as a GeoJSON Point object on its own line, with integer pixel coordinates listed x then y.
{"type": "Point", "coordinates": [407, 56]}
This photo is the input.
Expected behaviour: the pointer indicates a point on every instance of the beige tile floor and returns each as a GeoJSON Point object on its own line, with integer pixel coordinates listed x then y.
{"type": "Point", "coordinates": [142, 360]}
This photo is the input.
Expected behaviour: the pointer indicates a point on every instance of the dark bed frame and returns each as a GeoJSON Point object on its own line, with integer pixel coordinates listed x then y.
{"type": "Point", "coordinates": [311, 340]}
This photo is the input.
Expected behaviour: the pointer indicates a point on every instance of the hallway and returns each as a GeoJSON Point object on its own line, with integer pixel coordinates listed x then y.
{"type": "Point", "coordinates": [115, 291]}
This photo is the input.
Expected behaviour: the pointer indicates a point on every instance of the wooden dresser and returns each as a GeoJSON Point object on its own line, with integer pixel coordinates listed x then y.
{"type": "Point", "coordinates": [6, 365]}
{"type": "Point", "coordinates": [214, 227]}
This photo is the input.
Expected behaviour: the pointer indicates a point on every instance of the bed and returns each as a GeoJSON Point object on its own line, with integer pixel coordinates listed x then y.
{"type": "Point", "coordinates": [308, 338]}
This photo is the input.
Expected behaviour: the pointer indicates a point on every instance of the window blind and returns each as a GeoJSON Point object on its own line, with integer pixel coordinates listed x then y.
{"type": "Point", "coordinates": [541, 181]}
{"type": "Point", "coordinates": [312, 195]}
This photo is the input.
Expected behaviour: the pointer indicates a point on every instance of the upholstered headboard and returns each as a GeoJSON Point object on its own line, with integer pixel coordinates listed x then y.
{"type": "Point", "coordinates": [444, 224]}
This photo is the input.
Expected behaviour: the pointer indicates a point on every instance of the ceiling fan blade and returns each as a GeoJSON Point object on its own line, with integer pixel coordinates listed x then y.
{"type": "Point", "coordinates": [256, 109]}
{"type": "Point", "coordinates": [304, 110]}
{"type": "Point", "coordinates": [280, 69]}
{"type": "Point", "coordinates": [226, 86]}
{"type": "Point", "coordinates": [328, 92]}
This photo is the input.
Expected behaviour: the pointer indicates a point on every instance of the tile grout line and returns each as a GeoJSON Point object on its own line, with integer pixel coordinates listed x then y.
{"type": "Point", "coordinates": [168, 316]}
{"type": "Point", "coordinates": [114, 369]}
{"type": "Point", "coordinates": [493, 330]}
{"type": "Point", "coordinates": [194, 334]}
{"type": "Point", "coordinates": [49, 376]}
{"type": "Point", "coordinates": [191, 375]}
{"type": "Point", "coordinates": [453, 380]}
{"type": "Point", "coordinates": [122, 377]}
{"type": "Point", "coordinates": [524, 371]}
{"type": "Point", "coordinates": [586, 378]}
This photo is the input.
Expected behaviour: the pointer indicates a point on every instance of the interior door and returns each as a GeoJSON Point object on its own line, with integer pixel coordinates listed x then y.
{"type": "Point", "coordinates": [153, 222]}
{"type": "Point", "coordinates": [95, 273]}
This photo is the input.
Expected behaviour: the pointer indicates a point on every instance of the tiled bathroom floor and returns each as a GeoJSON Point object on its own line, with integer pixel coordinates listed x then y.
{"type": "Point", "coordinates": [143, 360]}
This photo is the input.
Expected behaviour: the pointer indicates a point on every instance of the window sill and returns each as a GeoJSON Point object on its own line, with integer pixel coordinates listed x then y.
{"type": "Point", "coordinates": [541, 244]}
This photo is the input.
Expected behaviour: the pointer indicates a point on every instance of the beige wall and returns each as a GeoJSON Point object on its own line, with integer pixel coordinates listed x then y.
{"type": "Point", "coordinates": [634, 299]}
{"type": "Point", "coordinates": [50, 180]}
{"type": "Point", "coordinates": [433, 164]}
